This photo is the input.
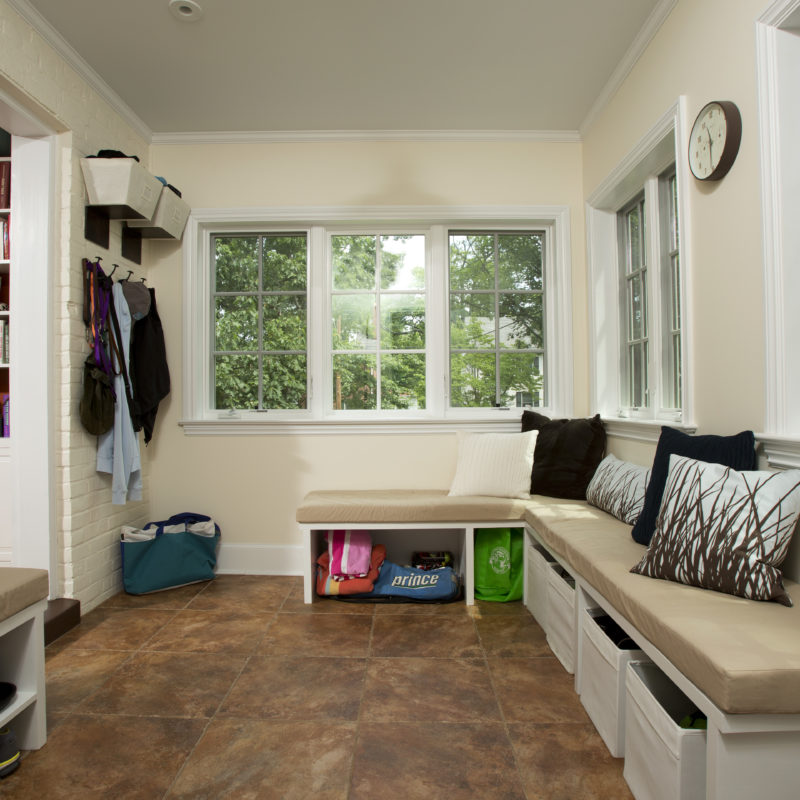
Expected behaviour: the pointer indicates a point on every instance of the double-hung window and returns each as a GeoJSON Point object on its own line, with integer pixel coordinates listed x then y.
{"type": "Point", "coordinates": [317, 321]}
{"type": "Point", "coordinates": [637, 287]}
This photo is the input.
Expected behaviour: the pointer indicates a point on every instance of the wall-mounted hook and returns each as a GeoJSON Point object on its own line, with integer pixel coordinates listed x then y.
{"type": "Point", "coordinates": [143, 280]}
{"type": "Point", "coordinates": [128, 276]}
{"type": "Point", "coordinates": [113, 270]}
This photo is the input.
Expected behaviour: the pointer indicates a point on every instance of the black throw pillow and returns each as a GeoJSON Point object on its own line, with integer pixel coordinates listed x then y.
{"type": "Point", "coordinates": [737, 452]}
{"type": "Point", "coordinates": [567, 454]}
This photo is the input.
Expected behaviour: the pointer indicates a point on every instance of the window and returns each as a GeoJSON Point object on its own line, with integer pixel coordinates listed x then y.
{"type": "Point", "coordinates": [322, 320]}
{"type": "Point", "coordinates": [633, 252]}
{"type": "Point", "coordinates": [637, 275]}
{"type": "Point", "coordinates": [496, 319]}
{"type": "Point", "coordinates": [378, 321]}
{"type": "Point", "coordinates": [259, 308]}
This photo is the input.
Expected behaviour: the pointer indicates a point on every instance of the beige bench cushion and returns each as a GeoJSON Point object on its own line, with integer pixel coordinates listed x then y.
{"type": "Point", "coordinates": [743, 654]}
{"type": "Point", "coordinates": [391, 506]}
{"type": "Point", "coordinates": [21, 587]}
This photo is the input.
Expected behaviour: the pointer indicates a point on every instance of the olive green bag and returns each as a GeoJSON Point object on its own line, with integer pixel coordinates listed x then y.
{"type": "Point", "coordinates": [499, 565]}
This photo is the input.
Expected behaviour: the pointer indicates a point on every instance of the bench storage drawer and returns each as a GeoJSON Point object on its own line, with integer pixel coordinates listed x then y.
{"type": "Point", "coordinates": [560, 628]}
{"type": "Point", "coordinates": [603, 668]}
{"type": "Point", "coordinates": [537, 565]}
{"type": "Point", "coordinates": [662, 760]}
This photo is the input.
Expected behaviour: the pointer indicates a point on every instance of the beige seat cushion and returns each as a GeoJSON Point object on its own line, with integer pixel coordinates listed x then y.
{"type": "Point", "coordinates": [743, 654]}
{"type": "Point", "coordinates": [21, 587]}
{"type": "Point", "coordinates": [406, 506]}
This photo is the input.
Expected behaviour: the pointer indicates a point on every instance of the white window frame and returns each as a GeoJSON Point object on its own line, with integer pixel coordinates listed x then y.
{"type": "Point", "coordinates": [778, 61]}
{"type": "Point", "coordinates": [319, 223]}
{"type": "Point", "coordinates": [663, 146]}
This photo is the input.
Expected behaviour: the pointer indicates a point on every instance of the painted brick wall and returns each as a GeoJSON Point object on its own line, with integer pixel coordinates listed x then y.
{"type": "Point", "coordinates": [87, 524]}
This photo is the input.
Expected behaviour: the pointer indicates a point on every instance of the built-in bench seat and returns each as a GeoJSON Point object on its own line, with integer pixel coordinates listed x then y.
{"type": "Point", "coordinates": [738, 660]}
{"type": "Point", "coordinates": [23, 601]}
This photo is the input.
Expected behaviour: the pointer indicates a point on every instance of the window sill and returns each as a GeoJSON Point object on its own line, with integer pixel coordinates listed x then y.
{"type": "Point", "coordinates": [349, 427]}
{"type": "Point", "coordinates": [782, 452]}
{"type": "Point", "coordinates": [642, 430]}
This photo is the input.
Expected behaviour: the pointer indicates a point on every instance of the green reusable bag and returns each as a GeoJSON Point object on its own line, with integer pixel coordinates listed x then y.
{"type": "Point", "coordinates": [498, 564]}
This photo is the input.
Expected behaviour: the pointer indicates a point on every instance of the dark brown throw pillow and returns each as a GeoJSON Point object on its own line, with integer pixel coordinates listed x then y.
{"type": "Point", "coordinates": [567, 454]}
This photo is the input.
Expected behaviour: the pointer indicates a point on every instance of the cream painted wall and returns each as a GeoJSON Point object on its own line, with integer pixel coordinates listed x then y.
{"type": "Point", "coordinates": [705, 50]}
{"type": "Point", "coordinates": [252, 484]}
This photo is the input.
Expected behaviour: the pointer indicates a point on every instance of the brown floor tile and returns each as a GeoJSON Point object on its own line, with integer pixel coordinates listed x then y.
{"type": "Point", "coordinates": [73, 675]}
{"type": "Point", "coordinates": [457, 608]}
{"type": "Point", "coordinates": [114, 629]}
{"type": "Point", "coordinates": [566, 761]}
{"type": "Point", "coordinates": [297, 689]}
{"type": "Point", "coordinates": [317, 635]}
{"type": "Point", "coordinates": [211, 632]}
{"type": "Point", "coordinates": [245, 594]}
{"type": "Point", "coordinates": [167, 685]}
{"type": "Point", "coordinates": [485, 608]}
{"type": "Point", "coordinates": [324, 605]}
{"type": "Point", "coordinates": [269, 760]}
{"type": "Point", "coordinates": [425, 636]}
{"type": "Point", "coordinates": [101, 757]}
{"type": "Point", "coordinates": [459, 761]}
{"type": "Point", "coordinates": [173, 599]}
{"type": "Point", "coordinates": [512, 635]}
{"type": "Point", "coordinates": [431, 689]}
{"type": "Point", "coordinates": [535, 689]}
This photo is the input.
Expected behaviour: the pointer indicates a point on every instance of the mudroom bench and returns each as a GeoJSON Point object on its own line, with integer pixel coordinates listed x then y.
{"type": "Point", "coordinates": [736, 660]}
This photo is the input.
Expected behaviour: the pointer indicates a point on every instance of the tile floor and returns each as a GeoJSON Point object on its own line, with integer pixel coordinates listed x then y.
{"type": "Point", "coordinates": [236, 689]}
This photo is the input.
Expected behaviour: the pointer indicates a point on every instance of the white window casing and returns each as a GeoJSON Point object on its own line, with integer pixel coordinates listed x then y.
{"type": "Point", "coordinates": [663, 146]}
{"type": "Point", "coordinates": [200, 418]}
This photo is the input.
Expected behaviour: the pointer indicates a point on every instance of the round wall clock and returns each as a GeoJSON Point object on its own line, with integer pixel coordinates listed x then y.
{"type": "Point", "coordinates": [715, 139]}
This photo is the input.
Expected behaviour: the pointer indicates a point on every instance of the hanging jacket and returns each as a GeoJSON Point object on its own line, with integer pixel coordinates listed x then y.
{"type": "Point", "coordinates": [118, 450]}
{"type": "Point", "coordinates": [148, 369]}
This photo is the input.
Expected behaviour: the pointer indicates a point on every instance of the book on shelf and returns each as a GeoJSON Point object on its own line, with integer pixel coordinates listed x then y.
{"type": "Point", "coordinates": [5, 184]}
{"type": "Point", "coordinates": [5, 405]}
{"type": "Point", "coordinates": [4, 237]}
{"type": "Point", "coordinates": [3, 354]}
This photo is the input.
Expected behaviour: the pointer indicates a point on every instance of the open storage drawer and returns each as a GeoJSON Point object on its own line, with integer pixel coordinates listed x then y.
{"type": "Point", "coordinates": [605, 652]}
{"type": "Point", "coordinates": [537, 565]}
{"type": "Point", "coordinates": [663, 761]}
{"type": "Point", "coordinates": [560, 628]}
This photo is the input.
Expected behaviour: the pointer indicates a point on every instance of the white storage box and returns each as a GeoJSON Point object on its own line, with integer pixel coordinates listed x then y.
{"type": "Point", "coordinates": [122, 186]}
{"type": "Point", "coordinates": [169, 218]}
{"type": "Point", "coordinates": [662, 760]}
{"type": "Point", "coordinates": [561, 615]}
{"type": "Point", "coordinates": [537, 565]}
{"type": "Point", "coordinates": [603, 664]}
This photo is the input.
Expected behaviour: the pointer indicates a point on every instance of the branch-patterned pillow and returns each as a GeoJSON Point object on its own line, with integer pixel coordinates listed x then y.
{"type": "Point", "coordinates": [725, 530]}
{"type": "Point", "coordinates": [618, 488]}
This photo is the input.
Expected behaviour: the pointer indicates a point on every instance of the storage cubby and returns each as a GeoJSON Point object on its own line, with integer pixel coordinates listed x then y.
{"type": "Point", "coordinates": [663, 761]}
{"type": "Point", "coordinates": [560, 628]}
{"type": "Point", "coordinates": [605, 652]}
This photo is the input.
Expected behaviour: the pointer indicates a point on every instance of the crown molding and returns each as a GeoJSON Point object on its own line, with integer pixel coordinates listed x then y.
{"type": "Point", "coordinates": [300, 137]}
{"type": "Point", "coordinates": [76, 62]}
{"type": "Point", "coordinates": [650, 28]}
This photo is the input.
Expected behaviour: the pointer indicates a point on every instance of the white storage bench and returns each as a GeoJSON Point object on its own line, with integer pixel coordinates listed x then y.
{"type": "Point", "coordinates": [404, 521]}
{"type": "Point", "coordinates": [23, 601]}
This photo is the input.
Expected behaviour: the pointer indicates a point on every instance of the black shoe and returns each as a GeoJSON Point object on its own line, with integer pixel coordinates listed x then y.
{"type": "Point", "coordinates": [7, 693]}
{"type": "Point", "coordinates": [9, 752]}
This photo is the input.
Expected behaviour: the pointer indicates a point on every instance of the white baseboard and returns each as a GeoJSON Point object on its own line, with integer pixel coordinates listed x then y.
{"type": "Point", "coordinates": [260, 559]}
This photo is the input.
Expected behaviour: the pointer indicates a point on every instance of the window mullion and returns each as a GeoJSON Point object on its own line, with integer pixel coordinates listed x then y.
{"type": "Point", "coordinates": [319, 322]}
{"type": "Point", "coordinates": [652, 287]}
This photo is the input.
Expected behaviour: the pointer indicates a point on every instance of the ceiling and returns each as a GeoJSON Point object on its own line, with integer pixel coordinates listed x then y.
{"type": "Point", "coordinates": [353, 65]}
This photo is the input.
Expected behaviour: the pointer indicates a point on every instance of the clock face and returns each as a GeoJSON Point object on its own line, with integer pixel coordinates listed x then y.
{"type": "Point", "coordinates": [714, 141]}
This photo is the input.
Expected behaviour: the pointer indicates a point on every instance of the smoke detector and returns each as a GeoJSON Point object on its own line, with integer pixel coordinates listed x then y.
{"type": "Point", "coordinates": [186, 10]}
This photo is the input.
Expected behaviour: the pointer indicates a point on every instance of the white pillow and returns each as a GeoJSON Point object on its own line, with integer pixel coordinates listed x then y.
{"type": "Point", "coordinates": [494, 464]}
{"type": "Point", "coordinates": [618, 488]}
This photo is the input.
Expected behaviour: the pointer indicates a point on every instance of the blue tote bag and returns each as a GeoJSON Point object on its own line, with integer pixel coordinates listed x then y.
{"type": "Point", "coordinates": [173, 552]}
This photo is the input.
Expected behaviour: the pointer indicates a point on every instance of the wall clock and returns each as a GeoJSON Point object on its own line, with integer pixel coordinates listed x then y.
{"type": "Point", "coordinates": [715, 139]}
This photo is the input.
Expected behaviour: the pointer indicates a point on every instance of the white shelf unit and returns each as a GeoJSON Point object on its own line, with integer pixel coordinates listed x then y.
{"type": "Point", "coordinates": [401, 540]}
{"type": "Point", "coordinates": [22, 663]}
